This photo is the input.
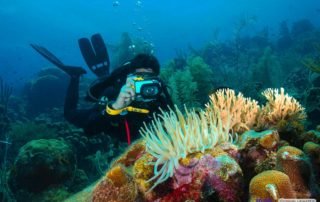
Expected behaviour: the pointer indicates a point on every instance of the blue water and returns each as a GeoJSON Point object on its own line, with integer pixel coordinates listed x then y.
{"type": "Point", "coordinates": [170, 25]}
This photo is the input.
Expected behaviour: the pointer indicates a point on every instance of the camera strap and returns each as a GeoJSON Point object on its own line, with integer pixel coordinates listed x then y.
{"type": "Point", "coordinates": [123, 111]}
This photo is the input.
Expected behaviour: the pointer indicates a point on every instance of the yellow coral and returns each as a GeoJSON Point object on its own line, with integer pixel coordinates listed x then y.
{"type": "Point", "coordinates": [270, 140]}
{"type": "Point", "coordinates": [186, 161]}
{"type": "Point", "coordinates": [271, 185]}
{"type": "Point", "coordinates": [280, 106]}
{"type": "Point", "coordinates": [267, 139]}
{"type": "Point", "coordinates": [235, 110]}
{"type": "Point", "coordinates": [217, 151]}
{"type": "Point", "coordinates": [118, 176]}
{"type": "Point", "coordinates": [143, 171]}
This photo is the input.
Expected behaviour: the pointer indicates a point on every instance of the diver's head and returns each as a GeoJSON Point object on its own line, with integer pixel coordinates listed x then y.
{"type": "Point", "coordinates": [145, 63]}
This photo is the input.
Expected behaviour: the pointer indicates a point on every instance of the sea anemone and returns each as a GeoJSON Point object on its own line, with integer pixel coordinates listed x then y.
{"type": "Point", "coordinates": [172, 136]}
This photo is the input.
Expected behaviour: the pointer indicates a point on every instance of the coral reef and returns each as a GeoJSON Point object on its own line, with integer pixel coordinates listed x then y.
{"type": "Point", "coordinates": [212, 154]}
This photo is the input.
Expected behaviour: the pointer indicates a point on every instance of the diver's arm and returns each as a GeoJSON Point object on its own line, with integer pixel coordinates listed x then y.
{"type": "Point", "coordinates": [99, 120]}
{"type": "Point", "coordinates": [125, 96]}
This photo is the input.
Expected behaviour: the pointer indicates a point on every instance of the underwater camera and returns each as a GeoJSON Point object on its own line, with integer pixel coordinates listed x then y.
{"type": "Point", "coordinates": [147, 88]}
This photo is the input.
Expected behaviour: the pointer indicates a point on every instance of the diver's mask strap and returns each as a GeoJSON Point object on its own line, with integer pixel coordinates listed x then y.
{"type": "Point", "coordinates": [124, 111]}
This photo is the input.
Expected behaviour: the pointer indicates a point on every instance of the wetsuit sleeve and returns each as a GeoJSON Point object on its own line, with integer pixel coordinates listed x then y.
{"type": "Point", "coordinates": [93, 120]}
{"type": "Point", "coordinates": [98, 120]}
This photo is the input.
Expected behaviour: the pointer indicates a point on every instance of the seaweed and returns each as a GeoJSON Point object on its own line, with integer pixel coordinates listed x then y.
{"type": "Point", "coordinates": [5, 94]}
{"type": "Point", "coordinates": [313, 64]}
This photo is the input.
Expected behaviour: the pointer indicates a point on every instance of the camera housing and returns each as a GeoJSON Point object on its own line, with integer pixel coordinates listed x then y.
{"type": "Point", "coordinates": [147, 89]}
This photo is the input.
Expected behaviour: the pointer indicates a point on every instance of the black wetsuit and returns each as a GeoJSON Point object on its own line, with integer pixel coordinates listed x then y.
{"type": "Point", "coordinates": [95, 120]}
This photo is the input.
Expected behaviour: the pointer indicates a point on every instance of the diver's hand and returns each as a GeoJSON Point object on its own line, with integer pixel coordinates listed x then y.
{"type": "Point", "coordinates": [126, 95]}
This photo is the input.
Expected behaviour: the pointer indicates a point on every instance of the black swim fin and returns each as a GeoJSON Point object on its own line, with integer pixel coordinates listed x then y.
{"type": "Point", "coordinates": [95, 55]}
{"type": "Point", "coordinates": [71, 70]}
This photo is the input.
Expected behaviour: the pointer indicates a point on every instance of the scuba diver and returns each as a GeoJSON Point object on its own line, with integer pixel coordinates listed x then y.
{"type": "Point", "coordinates": [124, 99]}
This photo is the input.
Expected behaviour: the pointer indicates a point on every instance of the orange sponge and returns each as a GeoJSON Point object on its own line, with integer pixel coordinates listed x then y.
{"type": "Point", "coordinates": [132, 154]}
{"type": "Point", "coordinates": [117, 186]}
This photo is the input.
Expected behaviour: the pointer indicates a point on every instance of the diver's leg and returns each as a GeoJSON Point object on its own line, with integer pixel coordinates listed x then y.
{"type": "Point", "coordinates": [78, 117]}
{"type": "Point", "coordinates": [71, 100]}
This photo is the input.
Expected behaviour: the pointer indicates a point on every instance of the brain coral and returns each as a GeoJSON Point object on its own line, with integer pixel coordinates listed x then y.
{"type": "Point", "coordinates": [42, 163]}
{"type": "Point", "coordinates": [270, 185]}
